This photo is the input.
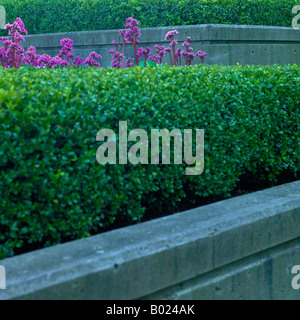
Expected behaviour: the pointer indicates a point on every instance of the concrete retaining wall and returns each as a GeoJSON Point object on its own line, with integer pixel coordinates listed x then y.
{"type": "Point", "coordinates": [241, 248]}
{"type": "Point", "coordinates": [225, 44]}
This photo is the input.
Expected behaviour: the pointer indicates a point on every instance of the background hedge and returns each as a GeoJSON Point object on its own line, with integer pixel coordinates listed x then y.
{"type": "Point", "coordinates": [53, 190]}
{"type": "Point", "coordinates": [48, 16]}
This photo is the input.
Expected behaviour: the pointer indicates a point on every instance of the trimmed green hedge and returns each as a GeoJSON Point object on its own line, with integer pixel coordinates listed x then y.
{"type": "Point", "coordinates": [48, 16]}
{"type": "Point", "coordinates": [53, 190]}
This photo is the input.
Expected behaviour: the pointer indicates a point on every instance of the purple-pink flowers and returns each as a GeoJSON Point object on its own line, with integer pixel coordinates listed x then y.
{"type": "Point", "coordinates": [78, 62]}
{"type": "Point", "coordinates": [67, 49]}
{"type": "Point", "coordinates": [12, 55]}
{"type": "Point", "coordinates": [90, 60]}
{"type": "Point", "coordinates": [118, 57]}
{"type": "Point", "coordinates": [160, 53]}
{"type": "Point", "coordinates": [170, 37]}
{"type": "Point", "coordinates": [171, 34]}
{"type": "Point", "coordinates": [132, 34]}
{"type": "Point", "coordinates": [202, 55]}
{"type": "Point", "coordinates": [146, 53]}
{"type": "Point", "coordinates": [187, 54]}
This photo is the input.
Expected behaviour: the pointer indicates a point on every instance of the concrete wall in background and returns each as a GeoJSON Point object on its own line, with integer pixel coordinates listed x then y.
{"type": "Point", "coordinates": [241, 248]}
{"type": "Point", "coordinates": [225, 44]}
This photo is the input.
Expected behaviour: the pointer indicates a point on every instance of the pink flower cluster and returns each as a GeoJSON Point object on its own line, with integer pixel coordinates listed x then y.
{"type": "Point", "coordinates": [118, 57]}
{"type": "Point", "coordinates": [146, 53]}
{"type": "Point", "coordinates": [12, 55]}
{"type": "Point", "coordinates": [67, 49]}
{"type": "Point", "coordinates": [171, 34]}
{"type": "Point", "coordinates": [187, 54]}
{"type": "Point", "coordinates": [131, 33]}
{"type": "Point", "coordinates": [91, 60]}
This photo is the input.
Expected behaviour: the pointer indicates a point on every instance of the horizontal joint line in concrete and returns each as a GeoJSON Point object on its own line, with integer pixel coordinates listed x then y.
{"type": "Point", "coordinates": [201, 42]}
{"type": "Point", "coordinates": [226, 270]}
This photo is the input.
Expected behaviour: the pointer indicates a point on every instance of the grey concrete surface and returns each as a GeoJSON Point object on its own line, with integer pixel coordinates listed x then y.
{"type": "Point", "coordinates": [241, 248]}
{"type": "Point", "coordinates": [263, 276]}
{"type": "Point", "coordinates": [225, 44]}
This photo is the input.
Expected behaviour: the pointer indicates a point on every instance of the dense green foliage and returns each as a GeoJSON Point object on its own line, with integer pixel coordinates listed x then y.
{"type": "Point", "coordinates": [53, 190]}
{"type": "Point", "coordinates": [48, 16]}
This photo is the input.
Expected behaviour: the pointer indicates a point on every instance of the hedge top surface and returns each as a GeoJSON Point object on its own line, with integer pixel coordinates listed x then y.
{"type": "Point", "coordinates": [48, 16]}
{"type": "Point", "coordinates": [51, 187]}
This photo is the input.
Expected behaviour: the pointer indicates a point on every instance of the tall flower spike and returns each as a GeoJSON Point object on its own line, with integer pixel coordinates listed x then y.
{"type": "Point", "coordinates": [132, 34]}
{"type": "Point", "coordinates": [170, 36]}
